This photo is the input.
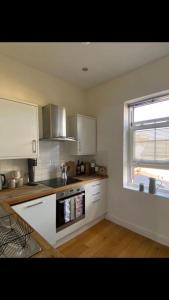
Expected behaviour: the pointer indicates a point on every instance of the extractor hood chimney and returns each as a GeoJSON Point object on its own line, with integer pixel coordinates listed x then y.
{"type": "Point", "coordinates": [54, 123]}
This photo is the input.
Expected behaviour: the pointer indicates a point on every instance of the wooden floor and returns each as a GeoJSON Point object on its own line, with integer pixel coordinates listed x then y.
{"type": "Point", "coordinates": [107, 239]}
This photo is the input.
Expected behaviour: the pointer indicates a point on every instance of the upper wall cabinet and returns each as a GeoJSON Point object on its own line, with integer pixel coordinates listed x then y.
{"type": "Point", "coordinates": [18, 129]}
{"type": "Point", "coordinates": [83, 128]}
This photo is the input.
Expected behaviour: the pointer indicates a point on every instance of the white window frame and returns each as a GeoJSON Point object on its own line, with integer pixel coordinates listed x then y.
{"type": "Point", "coordinates": [154, 123]}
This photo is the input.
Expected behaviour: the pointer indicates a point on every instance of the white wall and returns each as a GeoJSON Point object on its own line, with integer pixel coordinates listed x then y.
{"type": "Point", "coordinates": [23, 82]}
{"type": "Point", "coordinates": [18, 81]}
{"type": "Point", "coordinates": [141, 212]}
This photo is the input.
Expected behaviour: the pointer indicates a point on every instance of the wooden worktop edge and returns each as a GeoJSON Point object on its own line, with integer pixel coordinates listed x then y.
{"type": "Point", "coordinates": [32, 196]}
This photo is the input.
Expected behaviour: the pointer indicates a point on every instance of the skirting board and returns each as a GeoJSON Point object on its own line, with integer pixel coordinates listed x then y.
{"type": "Point", "coordinates": [140, 230]}
{"type": "Point", "coordinates": [78, 231]}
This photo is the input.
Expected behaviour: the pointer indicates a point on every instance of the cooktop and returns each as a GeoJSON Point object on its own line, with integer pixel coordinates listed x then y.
{"type": "Point", "coordinates": [57, 182]}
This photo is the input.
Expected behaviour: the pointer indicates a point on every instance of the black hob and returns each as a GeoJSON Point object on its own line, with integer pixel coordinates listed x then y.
{"type": "Point", "coordinates": [57, 182]}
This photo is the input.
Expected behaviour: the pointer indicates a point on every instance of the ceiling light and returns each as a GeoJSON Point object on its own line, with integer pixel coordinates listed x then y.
{"type": "Point", "coordinates": [84, 69]}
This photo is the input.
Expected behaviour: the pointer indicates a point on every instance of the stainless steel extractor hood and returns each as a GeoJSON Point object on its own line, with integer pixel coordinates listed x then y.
{"type": "Point", "coordinates": [54, 123]}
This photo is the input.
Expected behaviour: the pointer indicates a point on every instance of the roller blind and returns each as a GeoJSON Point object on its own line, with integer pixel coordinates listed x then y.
{"type": "Point", "coordinates": [151, 144]}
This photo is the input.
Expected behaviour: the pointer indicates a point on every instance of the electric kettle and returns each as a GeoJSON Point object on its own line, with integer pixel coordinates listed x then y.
{"type": "Point", "coordinates": [2, 180]}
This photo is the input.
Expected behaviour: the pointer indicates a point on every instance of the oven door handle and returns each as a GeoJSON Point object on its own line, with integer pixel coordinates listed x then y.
{"type": "Point", "coordinates": [69, 196]}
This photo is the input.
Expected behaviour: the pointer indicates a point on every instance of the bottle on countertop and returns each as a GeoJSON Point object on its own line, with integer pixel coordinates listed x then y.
{"type": "Point", "coordinates": [82, 168]}
{"type": "Point", "coordinates": [78, 168]}
{"type": "Point", "coordinates": [87, 168]}
{"type": "Point", "coordinates": [93, 164]}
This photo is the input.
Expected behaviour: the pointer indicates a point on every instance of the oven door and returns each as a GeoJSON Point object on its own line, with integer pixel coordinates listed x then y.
{"type": "Point", "coordinates": [69, 210]}
{"type": "Point", "coordinates": [60, 216]}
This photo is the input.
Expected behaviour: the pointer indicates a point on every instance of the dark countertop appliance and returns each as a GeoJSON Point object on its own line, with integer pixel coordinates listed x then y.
{"type": "Point", "coordinates": [58, 182]}
{"type": "Point", "coordinates": [32, 163]}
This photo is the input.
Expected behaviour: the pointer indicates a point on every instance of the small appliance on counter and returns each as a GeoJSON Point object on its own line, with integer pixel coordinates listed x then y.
{"type": "Point", "coordinates": [15, 180]}
{"type": "Point", "coordinates": [32, 163]}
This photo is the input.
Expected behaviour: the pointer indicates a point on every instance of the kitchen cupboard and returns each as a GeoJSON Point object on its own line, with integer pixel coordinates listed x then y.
{"type": "Point", "coordinates": [95, 195]}
{"type": "Point", "coordinates": [40, 214]}
{"type": "Point", "coordinates": [83, 128]}
{"type": "Point", "coordinates": [19, 129]}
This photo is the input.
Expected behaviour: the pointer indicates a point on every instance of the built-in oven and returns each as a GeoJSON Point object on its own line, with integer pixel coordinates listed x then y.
{"type": "Point", "coordinates": [70, 207]}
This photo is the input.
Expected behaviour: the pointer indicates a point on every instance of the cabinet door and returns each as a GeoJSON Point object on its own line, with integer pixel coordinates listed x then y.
{"type": "Point", "coordinates": [86, 134]}
{"type": "Point", "coordinates": [18, 130]}
{"type": "Point", "coordinates": [96, 199]}
{"type": "Point", "coordinates": [41, 215]}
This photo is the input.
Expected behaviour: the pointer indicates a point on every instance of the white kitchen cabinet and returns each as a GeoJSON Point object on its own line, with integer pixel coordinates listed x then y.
{"type": "Point", "coordinates": [83, 128]}
{"type": "Point", "coordinates": [19, 129]}
{"type": "Point", "coordinates": [95, 199]}
{"type": "Point", "coordinates": [40, 214]}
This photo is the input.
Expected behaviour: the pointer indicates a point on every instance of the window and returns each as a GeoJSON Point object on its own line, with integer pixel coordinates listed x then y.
{"type": "Point", "coordinates": [148, 141]}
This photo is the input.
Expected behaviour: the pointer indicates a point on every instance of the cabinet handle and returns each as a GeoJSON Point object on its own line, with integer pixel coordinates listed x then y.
{"type": "Point", "coordinates": [33, 204]}
{"type": "Point", "coordinates": [79, 149]}
{"type": "Point", "coordinates": [34, 146]}
{"type": "Point", "coordinates": [98, 199]}
{"type": "Point", "coordinates": [96, 184]}
{"type": "Point", "coordinates": [96, 194]}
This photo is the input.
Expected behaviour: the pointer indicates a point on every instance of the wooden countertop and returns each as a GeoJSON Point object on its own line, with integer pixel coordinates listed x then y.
{"type": "Point", "coordinates": [9, 197]}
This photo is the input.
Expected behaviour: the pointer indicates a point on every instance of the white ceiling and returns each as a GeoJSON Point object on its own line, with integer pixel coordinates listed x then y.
{"type": "Point", "coordinates": [105, 61]}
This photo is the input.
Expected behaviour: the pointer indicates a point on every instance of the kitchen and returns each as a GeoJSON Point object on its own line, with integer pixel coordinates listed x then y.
{"type": "Point", "coordinates": [61, 153]}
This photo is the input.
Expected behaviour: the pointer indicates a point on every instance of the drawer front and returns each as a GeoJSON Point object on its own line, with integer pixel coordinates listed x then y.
{"type": "Point", "coordinates": [33, 203]}
{"type": "Point", "coordinates": [96, 197]}
{"type": "Point", "coordinates": [96, 187]}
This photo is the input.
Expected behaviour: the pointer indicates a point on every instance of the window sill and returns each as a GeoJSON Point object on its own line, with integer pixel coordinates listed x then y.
{"type": "Point", "coordinates": [158, 193]}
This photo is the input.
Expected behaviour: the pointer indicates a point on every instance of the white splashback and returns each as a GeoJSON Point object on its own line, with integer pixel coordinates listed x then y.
{"type": "Point", "coordinates": [51, 156]}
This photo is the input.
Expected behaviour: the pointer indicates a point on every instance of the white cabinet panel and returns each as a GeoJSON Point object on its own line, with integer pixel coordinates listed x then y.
{"type": "Point", "coordinates": [96, 199]}
{"type": "Point", "coordinates": [83, 128]}
{"type": "Point", "coordinates": [86, 134]}
{"type": "Point", "coordinates": [41, 215]}
{"type": "Point", "coordinates": [19, 130]}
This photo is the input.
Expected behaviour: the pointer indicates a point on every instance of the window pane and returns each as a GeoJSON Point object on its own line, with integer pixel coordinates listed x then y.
{"type": "Point", "coordinates": [151, 111]}
{"type": "Point", "coordinates": [144, 145]}
{"type": "Point", "coordinates": [141, 175]}
{"type": "Point", "coordinates": [162, 143]}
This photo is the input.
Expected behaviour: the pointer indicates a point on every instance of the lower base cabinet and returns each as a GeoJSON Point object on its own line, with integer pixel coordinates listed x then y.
{"type": "Point", "coordinates": [96, 204]}
{"type": "Point", "coordinates": [41, 213]}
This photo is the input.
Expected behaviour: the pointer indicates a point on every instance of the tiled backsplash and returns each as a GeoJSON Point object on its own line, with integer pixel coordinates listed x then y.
{"type": "Point", "coordinates": [51, 155]}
